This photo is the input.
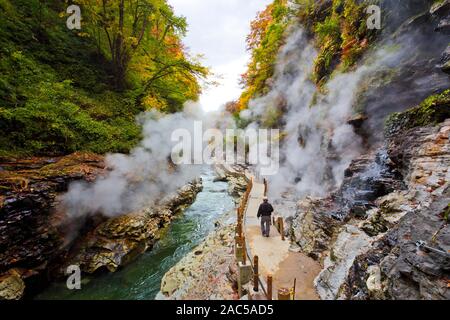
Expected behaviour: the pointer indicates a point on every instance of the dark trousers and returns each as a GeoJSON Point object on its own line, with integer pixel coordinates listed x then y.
{"type": "Point", "coordinates": [265, 225]}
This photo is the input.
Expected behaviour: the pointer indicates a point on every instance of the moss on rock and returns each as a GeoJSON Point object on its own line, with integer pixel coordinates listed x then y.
{"type": "Point", "coordinates": [435, 109]}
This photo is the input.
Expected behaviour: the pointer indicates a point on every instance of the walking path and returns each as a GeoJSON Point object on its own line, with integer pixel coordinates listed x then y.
{"type": "Point", "coordinates": [274, 255]}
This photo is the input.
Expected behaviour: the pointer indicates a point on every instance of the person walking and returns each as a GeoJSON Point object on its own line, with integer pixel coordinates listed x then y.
{"type": "Point", "coordinates": [265, 213]}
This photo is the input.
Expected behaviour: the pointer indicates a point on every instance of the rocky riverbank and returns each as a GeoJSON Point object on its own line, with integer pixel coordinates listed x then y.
{"type": "Point", "coordinates": [117, 241]}
{"type": "Point", "coordinates": [36, 238]}
{"type": "Point", "coordinates": [237, 182]}
{"type": "Point", "coordinates": [207, 273]}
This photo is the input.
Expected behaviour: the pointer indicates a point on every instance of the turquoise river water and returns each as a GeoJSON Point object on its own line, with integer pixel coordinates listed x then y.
{"type": "Point", "coordinates": [142, 278]}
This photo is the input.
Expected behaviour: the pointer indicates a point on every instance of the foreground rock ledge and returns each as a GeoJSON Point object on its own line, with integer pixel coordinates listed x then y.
{"type": "Point", "coordinates": [206, 273]}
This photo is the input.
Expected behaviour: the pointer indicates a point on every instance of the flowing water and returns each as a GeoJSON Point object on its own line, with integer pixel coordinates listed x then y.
{"type": "Point", "coordinates": [142, 278]}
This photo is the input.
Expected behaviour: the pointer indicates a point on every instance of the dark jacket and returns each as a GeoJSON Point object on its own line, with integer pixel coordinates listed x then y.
{"type": "Point", "coordinates": [265, 210]}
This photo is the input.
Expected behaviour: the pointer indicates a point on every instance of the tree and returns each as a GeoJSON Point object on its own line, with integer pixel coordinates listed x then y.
{"type": "Point", "coordinates": [265, 38]}
{"type": "Point", "coordinates": [125, 29]}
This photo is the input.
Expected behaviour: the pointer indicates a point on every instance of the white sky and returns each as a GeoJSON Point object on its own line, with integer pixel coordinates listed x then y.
{"type": "Point", "coordinates": [217, 30]}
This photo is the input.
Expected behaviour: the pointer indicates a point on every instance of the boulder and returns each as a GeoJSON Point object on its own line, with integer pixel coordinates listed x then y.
{"type": "Point", "coordinates": [312, 228]}
{"type": "Point", "coordinates": [12, 287]}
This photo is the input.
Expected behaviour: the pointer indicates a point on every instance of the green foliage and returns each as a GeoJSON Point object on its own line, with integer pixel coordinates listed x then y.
{"type": "Point", "coordinates": [446, 215]}
{"type": "Point", "coordinates": [339, 27]}
{"type": "Point", "coordinates": [57, 87]}
{"type": "Point", "coordinates": [265, 40]}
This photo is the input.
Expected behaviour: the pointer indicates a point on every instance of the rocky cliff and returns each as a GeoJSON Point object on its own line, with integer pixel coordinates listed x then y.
{"type": "Point", "coordinates": [119, 240]}
{"type": "Point", "coordinates": [381, 231]}
{"type": "Point", "coordinates": [367, 233]}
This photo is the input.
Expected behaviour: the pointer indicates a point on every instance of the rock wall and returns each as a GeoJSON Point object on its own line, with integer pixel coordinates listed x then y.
{"type": "Point", "coordinates": [396, 194]}
{"type": "Point", "coordinates": [29, 237]}
{"type": "Point", "coordinates": [396, 267]}
{"type": "Point", "coordinates": [365, 234]}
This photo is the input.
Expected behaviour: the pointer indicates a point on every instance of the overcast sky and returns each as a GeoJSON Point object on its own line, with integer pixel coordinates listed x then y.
{"type": "Point", "coordinates": [217, 30]}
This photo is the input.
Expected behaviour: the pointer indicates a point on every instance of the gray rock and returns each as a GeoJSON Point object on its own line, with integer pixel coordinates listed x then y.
{"type": "Point", "coordinates": [406, 271]}
{"type": "Point", "coordinates": [445, 60]}
{"type": "Point", "coordinates": [350, 243]}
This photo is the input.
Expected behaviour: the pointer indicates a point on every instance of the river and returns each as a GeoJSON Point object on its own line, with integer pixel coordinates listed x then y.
{"type": "Point", "coordinates": [141, 280]}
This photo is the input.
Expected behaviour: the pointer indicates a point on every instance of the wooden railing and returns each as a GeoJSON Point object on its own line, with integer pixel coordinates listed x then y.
{"type": "Point", "coordinates": [244, 254]}
{"type": "Point", "coordinates": [258, 283]}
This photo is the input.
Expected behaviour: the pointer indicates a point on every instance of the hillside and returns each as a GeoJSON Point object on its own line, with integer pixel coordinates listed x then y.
{"type": "Point", "coordinates": [60, 89]}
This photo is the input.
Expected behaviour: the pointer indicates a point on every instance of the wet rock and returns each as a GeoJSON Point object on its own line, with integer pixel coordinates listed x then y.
{"type": "Point", "coordinates": [208, 272]}
{"type": "Point", "coordinates": [441, 11]}
{"type": "Point", "coordinates": [444, 26]}
{"type": "Point", "coordinates": [372, 253]}
{"type": "Point", "coordinates": [440, 8]}
{"type": "Point", "coordinates": [317, 220]}
{"type": "Point", "coordinates": [29, 235]}
{"type": "Point", "coordinates": [445, 60]}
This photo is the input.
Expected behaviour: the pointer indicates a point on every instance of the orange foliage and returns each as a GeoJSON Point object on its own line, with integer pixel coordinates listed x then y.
{"type": "Point", "coordinates": [258, 27]}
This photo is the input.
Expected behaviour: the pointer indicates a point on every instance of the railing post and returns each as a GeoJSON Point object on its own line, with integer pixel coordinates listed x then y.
{"type": "Point", "coordinates": [244, 251]}
{"type": "Point", "coordinates": [284, 294]}
{"type": "Point", "coordinates": [239, 229]}
{"type": "Point", "coordinates": [255, 274]}
{"type": "Point", "coordinates": [269, 287]}
{"type": "Point", "coordinates": [281, 227]}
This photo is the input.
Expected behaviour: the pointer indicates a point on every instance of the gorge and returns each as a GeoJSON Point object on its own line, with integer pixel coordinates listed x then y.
{"type": "Point", "coordinates": [364, 127]}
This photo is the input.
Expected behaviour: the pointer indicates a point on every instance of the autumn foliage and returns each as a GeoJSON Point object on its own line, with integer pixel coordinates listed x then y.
{"type": "Point", "coordinates": [264, 41]}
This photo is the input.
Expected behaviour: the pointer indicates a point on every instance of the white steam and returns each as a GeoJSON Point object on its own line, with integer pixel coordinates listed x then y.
{"type": "Point", "coordinates": [141, 178]}
{"type": "Point", "coordinates": [319, 143]}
